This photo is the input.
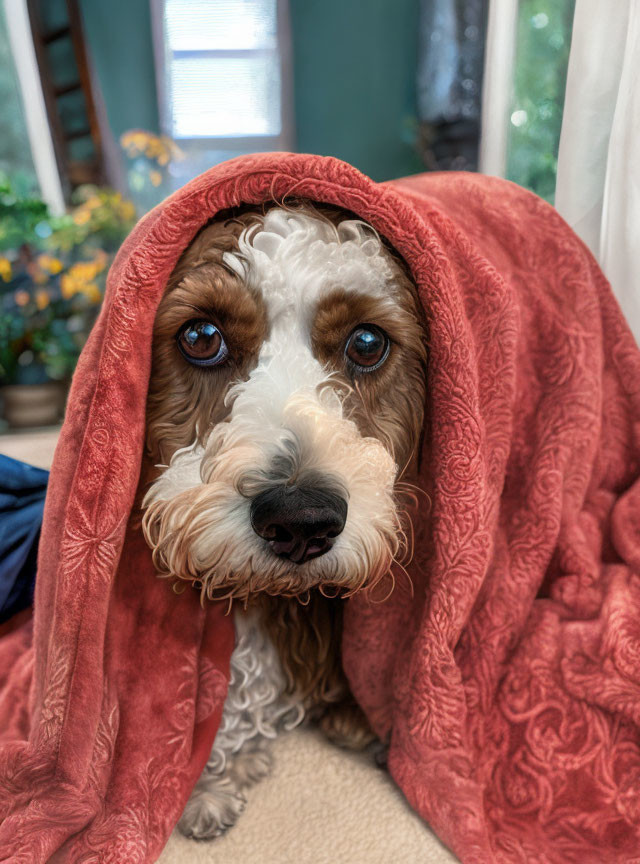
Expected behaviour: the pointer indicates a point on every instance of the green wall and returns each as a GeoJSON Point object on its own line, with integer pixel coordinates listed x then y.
{"type": "Point", "coordinates": [354, 76]}
{"type": "Point", "coordinates": [119, 36]}
{"type": "Point", "coordinates": [354, 82]}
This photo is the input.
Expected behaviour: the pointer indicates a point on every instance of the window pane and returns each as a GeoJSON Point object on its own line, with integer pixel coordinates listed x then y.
{"type": "Point", "coordinates": [202, 153]}
{"type": "Point", "coordinates": [219, 96]}
{"type": "Point", "coordinates": [542, 56]}
{"type": "Point", "coordinates": [15, 149]}
{"type": "Point", "coordinates": [219, 25]}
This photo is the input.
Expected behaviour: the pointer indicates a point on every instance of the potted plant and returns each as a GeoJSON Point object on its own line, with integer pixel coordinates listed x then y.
{"type": "Point", "coordinates": [46, 311]}
{"type": "Point", "coordinates": [52, 274]}
{"type": "Point", "coordinates": [151, 160]}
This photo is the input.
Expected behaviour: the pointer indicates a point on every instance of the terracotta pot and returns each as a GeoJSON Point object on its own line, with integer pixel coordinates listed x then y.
{"type": "Point", "coordinates": [34, 404]}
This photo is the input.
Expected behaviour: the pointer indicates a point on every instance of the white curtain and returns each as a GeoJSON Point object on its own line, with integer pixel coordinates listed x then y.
{"type": "Point", "coordinates": [598, 185]}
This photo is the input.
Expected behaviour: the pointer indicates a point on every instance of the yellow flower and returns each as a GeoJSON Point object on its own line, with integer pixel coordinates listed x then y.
{"type": "Point", "coordinates": [42, 299]}
{"type": "Point", "coordinates": [93, 202]}
{"type": "Point", "coordinates": [38, 275]}
{"type": "Point", "coordinates": [126, 141]}
{"type": "Point", "coordinates": [135, 141]}
{"type": "Point", "coordinates": [5, 269]}
{"type": "Point", "coordinates": [155, 177]}
{"type": "Point", "coordinates": [172, 149]}
{"type": "Point", "coordinates": [100, 259]}
{"type": "Point", "coordinates": [68, 286]}
{"type": "Point", "coordinates": [83, 271]}
{"type": "Point", "coordinates": [79, 279]}
{"type": "Point", "coordinates": [50, 263]}
{"type": "Point", "coordinates": [161, 148]}
{"type": "Point", "coordinates": [127, 210]}
{"type": "Point", "coordinates": [81, 216]}
{"type": "Point", "coordinates": [92, 292]}
{"type": "Point", "coordinates": [22, 298]}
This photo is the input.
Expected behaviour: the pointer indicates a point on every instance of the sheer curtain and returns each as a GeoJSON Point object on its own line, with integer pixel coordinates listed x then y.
{"type": "Point", "coordinates": [598, 183]}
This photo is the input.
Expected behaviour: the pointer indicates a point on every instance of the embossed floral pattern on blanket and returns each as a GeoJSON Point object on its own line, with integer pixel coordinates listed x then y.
{"type": "Point", "coordinates": [506, 676]}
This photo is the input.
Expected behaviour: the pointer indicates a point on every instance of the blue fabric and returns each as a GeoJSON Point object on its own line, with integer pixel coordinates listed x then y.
{"type": "Point", "coordinates": [22, 493]}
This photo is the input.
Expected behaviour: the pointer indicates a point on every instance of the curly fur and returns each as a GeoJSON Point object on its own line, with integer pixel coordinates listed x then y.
{"type": "Point", "coordinates": [258, 706]}
{"type": "Point", "coordinates": [286, 288]}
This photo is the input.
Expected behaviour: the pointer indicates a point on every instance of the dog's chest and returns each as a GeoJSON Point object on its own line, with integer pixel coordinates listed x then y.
{"type": "Point", "coordinates": [257, 704]}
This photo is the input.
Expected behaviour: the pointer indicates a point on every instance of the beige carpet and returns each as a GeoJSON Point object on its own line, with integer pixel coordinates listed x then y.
{"type": "Point", "coordinates": [321, 805]}
{"type": "Point", "coordinates": [34, 447]}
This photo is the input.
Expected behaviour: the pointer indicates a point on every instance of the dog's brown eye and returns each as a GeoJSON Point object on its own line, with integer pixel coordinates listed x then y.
{"type": "Point", "coordinates": [201, 343]}
{"type": "Point", "coordinates": [367, 347]}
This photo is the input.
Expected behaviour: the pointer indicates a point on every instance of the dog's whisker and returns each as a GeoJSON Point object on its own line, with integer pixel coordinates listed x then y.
{"type": "Point", "coordinates": [384, 599]}
{"type": "Point", "coordinates": [304, 599]}
{"type": "Point", "coordinates": [326, 591]}
{"type": "Point", "coordinates": [406, 537]}
{"type": "Point", "coordinates": [411, 489]}
{"type": "Point", "coordinates": [406, 573]}
{"type": "Point", "coordinates": [410, 492]}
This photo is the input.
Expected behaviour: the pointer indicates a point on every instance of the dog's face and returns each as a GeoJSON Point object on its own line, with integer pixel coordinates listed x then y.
{"type": "Point", "coordinates": [286, 400]}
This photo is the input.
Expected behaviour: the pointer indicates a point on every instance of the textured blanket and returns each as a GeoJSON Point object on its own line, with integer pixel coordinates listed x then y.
{"type": "Point", "coordinates": [508, 679]}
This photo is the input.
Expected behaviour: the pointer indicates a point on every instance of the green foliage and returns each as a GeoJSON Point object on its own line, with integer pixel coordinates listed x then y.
{"type": "Point", "coordinates": [11, 331]}
{"type": "Point", "coordinates": [38, 344]}
{"type": "Point", "coordinates": [19, 216]}
{"type": "Point", "coordinates": [149, 160]}
{"type": "Point", "coordinates": [52, 278]}
{"type": "Point", "coordinates": [100, 219]}
{"type": "Point", "coordinates": [542, 55]}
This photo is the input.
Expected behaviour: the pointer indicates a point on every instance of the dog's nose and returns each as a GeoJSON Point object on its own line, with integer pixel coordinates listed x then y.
{"type": "Point", "coordinates": [299, 524]}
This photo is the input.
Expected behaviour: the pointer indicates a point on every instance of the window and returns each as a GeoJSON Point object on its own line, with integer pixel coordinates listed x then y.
{"type": "Point", "coordinates": [223, 76]}
{"type": "Point", "coordinates": [525, 75]}
{"type": "Point", "coordinates": [541, 59]}
{"type": "Point", "coordinates": [15, 149]}
{"type": "Point", "coordinates": [26, 147]}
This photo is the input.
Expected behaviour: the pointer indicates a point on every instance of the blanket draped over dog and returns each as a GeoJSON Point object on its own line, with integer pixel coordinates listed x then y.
{"type": "Point", "coordinates": [508, 679]}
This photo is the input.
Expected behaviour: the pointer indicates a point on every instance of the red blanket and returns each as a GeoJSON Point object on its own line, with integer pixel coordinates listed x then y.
{"type": "Point", "coordinates": [509, 680]}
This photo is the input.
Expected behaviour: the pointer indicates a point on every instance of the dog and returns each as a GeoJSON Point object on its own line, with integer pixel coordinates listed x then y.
{"type": "Point", "coordinates": [284, 419]}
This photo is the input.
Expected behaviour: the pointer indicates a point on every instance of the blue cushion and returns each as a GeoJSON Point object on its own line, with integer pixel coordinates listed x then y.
{"type": "Point", "coordinates": [22, 493]}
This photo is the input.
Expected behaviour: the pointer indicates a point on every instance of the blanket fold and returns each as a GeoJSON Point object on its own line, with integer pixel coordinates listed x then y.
{"type": "Point", "coordinates": [507, 677]}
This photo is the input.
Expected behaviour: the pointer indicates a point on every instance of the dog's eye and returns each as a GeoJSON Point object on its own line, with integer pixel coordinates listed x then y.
{"type": "Point", "coordinates": [201, 343]}
{"type": "Point", "coordinates": [367, 347]}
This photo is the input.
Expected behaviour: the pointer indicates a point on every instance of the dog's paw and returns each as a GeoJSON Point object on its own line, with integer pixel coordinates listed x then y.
{"type": "Point", "coordinates": [214, 806]}
{"type": "Point", "coordinates": [250, 766]}
{"type": "Point", "coordinates": [345, 725]}
{"type": "Point", "coordinates": [379, 750]}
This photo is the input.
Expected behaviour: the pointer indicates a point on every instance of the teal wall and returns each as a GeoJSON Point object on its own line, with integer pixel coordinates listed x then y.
{"type": "Point", "coordinates": [119, 36]}
{"type": "Point", "coordinates": [354, 82]}
{"type": "Point", "coordinates": [354, 76]}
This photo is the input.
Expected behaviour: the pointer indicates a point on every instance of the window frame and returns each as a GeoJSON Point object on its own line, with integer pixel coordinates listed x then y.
{"type": "Point", "coordinates": [497, 86]}
{"type": "Point", "coordinates": [224, 143]}
{"type": "Point", "coordinates": [33, 104]}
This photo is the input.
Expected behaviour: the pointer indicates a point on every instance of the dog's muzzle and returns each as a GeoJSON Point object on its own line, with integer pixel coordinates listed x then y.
{"type": "Point", "coordinates": [298, 523]}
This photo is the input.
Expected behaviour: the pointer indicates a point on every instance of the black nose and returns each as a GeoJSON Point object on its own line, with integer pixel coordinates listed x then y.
{"type": "Point", "coordinates": [298, 523]}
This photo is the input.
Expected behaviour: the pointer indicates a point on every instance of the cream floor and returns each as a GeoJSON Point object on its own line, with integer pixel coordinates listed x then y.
{"type": "Point", "coordinates": [320, 805]}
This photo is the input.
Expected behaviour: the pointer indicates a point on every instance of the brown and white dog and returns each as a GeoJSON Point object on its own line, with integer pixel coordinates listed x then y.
{"type": "Point", "coordinates": [284, 415]}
